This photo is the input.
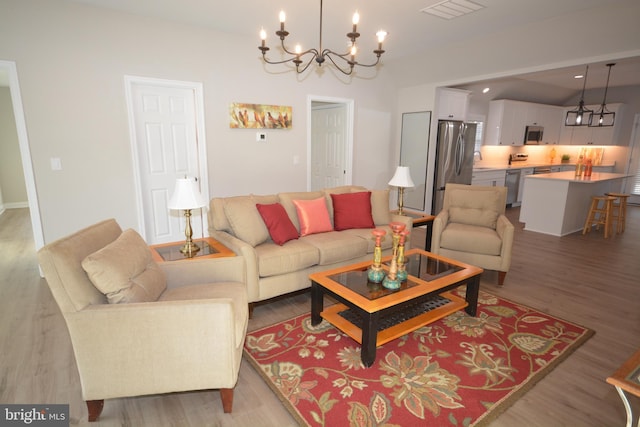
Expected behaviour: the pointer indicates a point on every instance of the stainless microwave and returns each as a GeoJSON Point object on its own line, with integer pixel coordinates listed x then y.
{"type": "Point", "coordinates": [533, 135]}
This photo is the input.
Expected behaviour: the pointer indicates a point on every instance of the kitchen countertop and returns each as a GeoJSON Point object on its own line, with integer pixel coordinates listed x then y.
{"type": "Point", "coordinates": [527, 165]}
{"type": "Point", "coordinates": [571, 176]}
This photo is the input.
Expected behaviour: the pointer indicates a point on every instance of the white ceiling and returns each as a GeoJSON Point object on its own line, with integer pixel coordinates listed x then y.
{"type": "Point", "coordinates": [410, 30]}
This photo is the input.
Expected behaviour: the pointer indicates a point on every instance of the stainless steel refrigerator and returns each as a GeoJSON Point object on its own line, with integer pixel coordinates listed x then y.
{"type": "Point", "coordinates": [454, 157]}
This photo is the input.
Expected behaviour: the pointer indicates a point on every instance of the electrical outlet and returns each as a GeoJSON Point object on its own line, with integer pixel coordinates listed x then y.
{"type": "Point", "coordinates": [261, 137]}
{"type": "Point", "coordinates": [56, 164]}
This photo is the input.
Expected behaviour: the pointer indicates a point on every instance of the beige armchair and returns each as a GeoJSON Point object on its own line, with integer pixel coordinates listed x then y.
{"type": "Point", "coordinates": [472, 227]}
{"type": "Point", "coordinates": [190, 338]}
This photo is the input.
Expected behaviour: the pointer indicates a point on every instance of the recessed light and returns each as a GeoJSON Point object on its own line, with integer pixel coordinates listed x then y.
{"type": "Point", "coordinates": [579, 76]}
{"type": "Point", "coordinates": [485, 90]}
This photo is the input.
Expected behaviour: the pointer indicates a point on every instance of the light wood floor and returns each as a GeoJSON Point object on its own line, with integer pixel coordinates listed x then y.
{"type": "Point", "coordinates": [585, 279]}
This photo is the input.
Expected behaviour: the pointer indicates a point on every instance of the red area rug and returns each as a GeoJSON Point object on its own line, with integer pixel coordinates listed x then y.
{"type": "Point", "coordinates": [458, 371]}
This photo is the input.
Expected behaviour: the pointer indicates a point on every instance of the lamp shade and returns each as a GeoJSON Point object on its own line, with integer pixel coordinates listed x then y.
{"type": "Point", "coordinates": [402, 178]}
{"type": "Point", "coordinates": [186, 195]}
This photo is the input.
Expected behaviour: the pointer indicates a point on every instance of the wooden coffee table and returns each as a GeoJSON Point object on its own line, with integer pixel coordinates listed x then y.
{"type": "Point", "coordinates": [373, 315]}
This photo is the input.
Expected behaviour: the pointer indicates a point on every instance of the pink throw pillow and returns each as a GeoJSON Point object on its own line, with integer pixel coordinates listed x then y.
{"type": "Point", "coordinates": [352, 210]}
{"type": "Point", "coordinates": [313, 216]}
{"type": "Point", "coordinates": [280, 227]}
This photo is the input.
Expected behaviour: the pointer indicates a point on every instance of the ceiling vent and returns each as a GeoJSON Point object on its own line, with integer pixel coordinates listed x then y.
{"type": "Point", "coordinates": [450, 9]}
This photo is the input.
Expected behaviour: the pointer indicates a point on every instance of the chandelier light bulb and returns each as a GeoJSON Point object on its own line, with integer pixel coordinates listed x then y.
{"type": "Point", "coordinates": [283, 17]}
{"type": "Point", "coordinates": [298, 49]}
{"type": "Point", "coordinates": [263, 35]}
{"type": "Point", "coordinates": [356, 18]}
{"type": "Point", "coordinates": [381, 36]}
{"type": "Point", "coordinates": [354, 50]}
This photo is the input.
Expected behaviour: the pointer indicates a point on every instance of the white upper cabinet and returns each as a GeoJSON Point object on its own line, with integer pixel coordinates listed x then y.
{"type": "Point", "coordinates": [586, 135]}
{"type": "Point", "coordinates": [452, 104]}
{"type": "Point", "coordinates": [547, 116]}
{"type": "Point", "coordinates": [506, 122]}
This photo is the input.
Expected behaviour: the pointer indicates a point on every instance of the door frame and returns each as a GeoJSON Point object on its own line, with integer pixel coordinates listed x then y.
{"type": "Point", "coordinates": [25, 152]}
{"type": "Point", "coordinates": [349, 123]}
{"type": "Point", "coordinates": [197, 87]}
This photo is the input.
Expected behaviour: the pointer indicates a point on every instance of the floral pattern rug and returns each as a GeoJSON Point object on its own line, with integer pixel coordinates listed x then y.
{"type": "Point", "coordinates": [458, 371]}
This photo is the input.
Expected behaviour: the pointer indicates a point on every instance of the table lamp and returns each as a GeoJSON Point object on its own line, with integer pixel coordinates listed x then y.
{"type": "Point", "coordinates": [185, 197]}
{"type": "Point", "coordinates": [402, 180]}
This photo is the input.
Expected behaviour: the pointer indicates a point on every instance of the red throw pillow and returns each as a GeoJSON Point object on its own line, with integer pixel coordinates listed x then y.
{"type": "Point", "coordinates": [280, 227]}
{"type": "Point", "coordinates": [352, 210]}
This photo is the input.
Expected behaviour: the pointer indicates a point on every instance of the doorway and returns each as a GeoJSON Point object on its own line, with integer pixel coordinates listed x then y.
{"type": "Point", "coordinates": [8, 69]}
{"type": "Point", "coordinates": [329, 142]}
{"type": "Point", "coordinates": [166, 120]}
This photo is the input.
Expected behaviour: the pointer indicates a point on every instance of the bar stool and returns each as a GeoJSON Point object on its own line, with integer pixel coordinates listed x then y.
{"type": "Point", "coordinates": [619, 210]}
{"type": "Point", "coordinates": [600, 214]}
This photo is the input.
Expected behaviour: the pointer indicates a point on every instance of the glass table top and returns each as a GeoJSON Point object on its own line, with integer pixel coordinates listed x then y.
{"type": "Point", "coordinates": [172, 253]}
{"type": "Point", "coordinates": [419, 266]}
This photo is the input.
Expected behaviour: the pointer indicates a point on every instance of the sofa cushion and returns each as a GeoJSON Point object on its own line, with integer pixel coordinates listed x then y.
{"type": "Point", "coordinates": [313, 216]}
{"type": "Point", "coordinates": [336, 246]}
{"type": "Point", "coordinates": [245, 220]}
{"type": "Point", "coordinates": [280, 227]}
{"type": "Point", "coordinates": [294, 255]}
{"type": "Point", "coordinates": [471, 238]}
{"type": "Point", "coordinates": [380, 207]}
{"type": "Point", "coordinates": [367, 236]}
{"type": "Point", "coordinates": [473, 216]}
{"type": "Point", "coordinates": [286, 199]}
{"type": "Point", "coordinates": [352, 210]}
{"type": "Point", "coordinates": [124, 270]}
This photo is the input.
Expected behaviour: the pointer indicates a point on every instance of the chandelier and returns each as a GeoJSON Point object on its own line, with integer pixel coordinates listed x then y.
{"type": "Point", "coordinates": [577, 117]}
{"type": "Point", "coordinates": [344, 62]}
{"type": "Point", "coordinates": [603, 117]}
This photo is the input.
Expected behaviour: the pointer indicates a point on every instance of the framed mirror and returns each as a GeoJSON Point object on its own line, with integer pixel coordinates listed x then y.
{"type": "Point", "coordinates": [414, 148]}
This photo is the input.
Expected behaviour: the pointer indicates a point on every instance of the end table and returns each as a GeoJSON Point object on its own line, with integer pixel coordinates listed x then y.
{"type": "Point", "coordinates": [209, 248]}
{"type": "Point", "coordinates": [419, 219]}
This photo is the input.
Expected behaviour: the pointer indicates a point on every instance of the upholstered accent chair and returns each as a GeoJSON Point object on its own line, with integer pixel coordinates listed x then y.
{"type": "Point", "coordinates": [472, 227]}
{"type": "Point", "coordinates": [171, 327]}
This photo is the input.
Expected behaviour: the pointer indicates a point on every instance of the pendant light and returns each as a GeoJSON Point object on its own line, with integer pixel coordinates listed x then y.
{"type": "Point", "coordinates": [603, 117]}
{"type": "Point", "coordinates": [578, 117]}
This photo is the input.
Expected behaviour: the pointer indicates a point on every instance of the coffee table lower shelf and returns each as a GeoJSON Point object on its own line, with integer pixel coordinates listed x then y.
{"type": "Point", "coordinates": [333, 316]}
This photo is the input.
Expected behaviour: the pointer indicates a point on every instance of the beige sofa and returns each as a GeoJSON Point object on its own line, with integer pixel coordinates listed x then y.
{"type": "Point", "coordinates": [272, 269]}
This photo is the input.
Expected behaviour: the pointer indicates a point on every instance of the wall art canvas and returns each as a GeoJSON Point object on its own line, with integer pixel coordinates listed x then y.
{"type": "Point", "coordinates": [258, 116]}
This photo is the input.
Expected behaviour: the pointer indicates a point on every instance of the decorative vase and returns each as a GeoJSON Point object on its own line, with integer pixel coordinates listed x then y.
{"type": "Point", "coordinates": [391, 281]}
{"type": "Point", "coordinates": [375, 273]}
{"type": "Point", "coordinates": [402, 267]}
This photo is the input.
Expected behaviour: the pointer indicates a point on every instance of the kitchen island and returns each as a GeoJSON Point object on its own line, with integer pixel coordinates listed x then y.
{"type": "Point", "coordinates": [557, 203]}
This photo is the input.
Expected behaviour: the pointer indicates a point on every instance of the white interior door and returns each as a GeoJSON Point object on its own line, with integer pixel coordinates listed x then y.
{"type": "Point", "coordinates": [167, 146]}
{"type": "Point", "coordinates": [328, 145]}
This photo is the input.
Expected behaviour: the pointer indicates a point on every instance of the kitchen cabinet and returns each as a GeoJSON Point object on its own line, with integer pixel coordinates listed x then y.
{"type": "Point", "coordinates": [586, 135]}
{"type": "Point", "coordinates": [489, 178]}
{"type": "Point", "coordinates": [548, 116]}
{"type": "Point", "coordinates": [452, 104]}
{"type": "Point", "coordinates": [506, 122]}
{"type": "Point", "coordinates": [508, 119]}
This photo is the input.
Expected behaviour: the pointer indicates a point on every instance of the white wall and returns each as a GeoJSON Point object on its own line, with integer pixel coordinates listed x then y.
{"type": "Point", "coordinates": [71, 61]}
